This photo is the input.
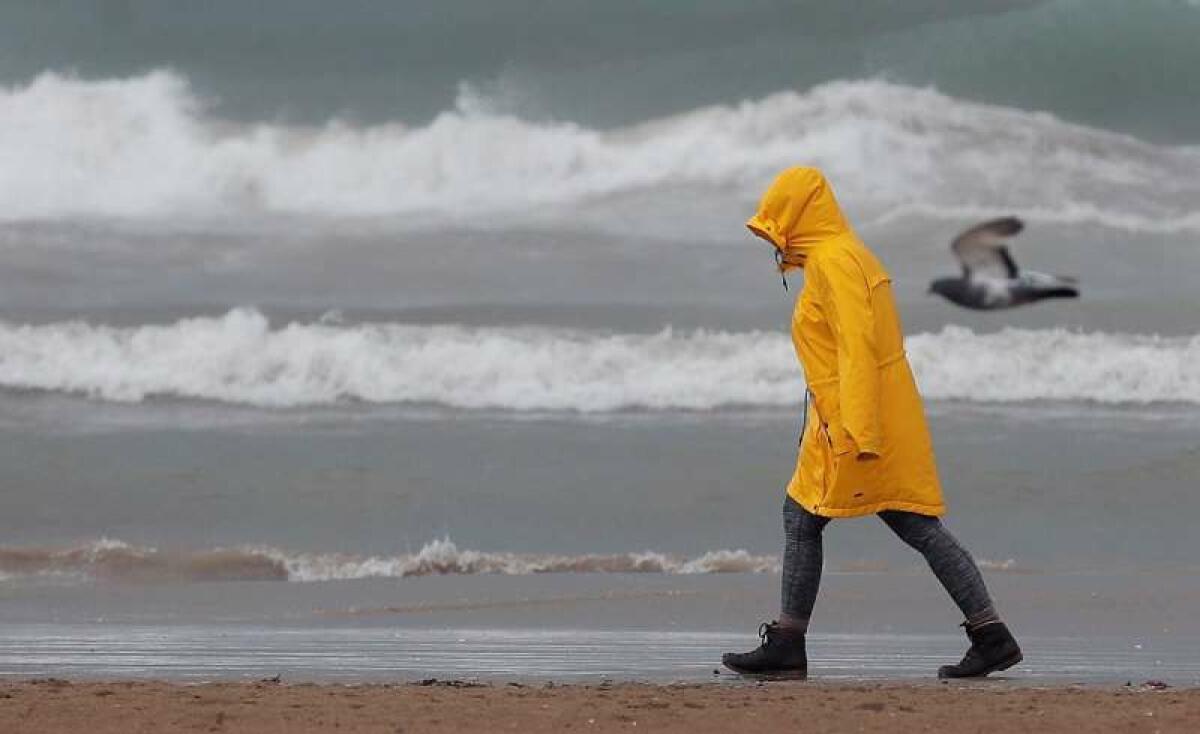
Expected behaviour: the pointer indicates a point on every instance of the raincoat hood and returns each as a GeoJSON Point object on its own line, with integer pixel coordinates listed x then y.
{"type": "Point", "coordinates": [797, 213]}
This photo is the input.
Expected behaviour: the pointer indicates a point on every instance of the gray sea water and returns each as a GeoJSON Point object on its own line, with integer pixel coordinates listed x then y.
{"type": "Point", "coordinates": [401, 342]}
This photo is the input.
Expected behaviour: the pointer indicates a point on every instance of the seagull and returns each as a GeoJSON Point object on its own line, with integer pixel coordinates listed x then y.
{"type": "Point", "coordinates": [991, 279]}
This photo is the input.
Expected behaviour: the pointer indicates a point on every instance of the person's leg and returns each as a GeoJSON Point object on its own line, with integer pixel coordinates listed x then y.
{"type": "Point", "coordinates": [802, 564]}
{"type": "Point", "coordinates": [992, 645]}
{"type": "Point", "coordinates": [783, 649]}
{"type": "Point", "coordinates": [951, 563]}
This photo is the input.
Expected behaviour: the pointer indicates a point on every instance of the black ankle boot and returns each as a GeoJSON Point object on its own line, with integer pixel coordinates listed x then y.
{"type": "Point", "coordinates": [782, 652]}
{"type": "Point", "coordinates": [992, 648]}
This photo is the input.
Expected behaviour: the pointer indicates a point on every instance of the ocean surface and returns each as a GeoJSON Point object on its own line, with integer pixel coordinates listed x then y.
{"type": "Point", "coordinates": [385, 341]}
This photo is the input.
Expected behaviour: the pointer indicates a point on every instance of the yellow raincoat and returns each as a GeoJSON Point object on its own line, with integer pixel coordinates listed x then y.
{"type": "Point", "coordinates": [866, 447]}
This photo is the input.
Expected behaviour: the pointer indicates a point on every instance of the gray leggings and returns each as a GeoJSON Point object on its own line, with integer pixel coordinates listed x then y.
{"type": "Point", "coordinates": [951, 563]}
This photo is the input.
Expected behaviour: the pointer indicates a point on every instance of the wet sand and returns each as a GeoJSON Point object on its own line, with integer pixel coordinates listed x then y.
{"type": "Point", "coordinates": [51, 706]}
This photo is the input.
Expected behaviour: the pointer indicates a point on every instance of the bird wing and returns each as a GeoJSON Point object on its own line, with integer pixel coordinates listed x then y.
{"type": "Point", "coordinates": [983, 247]}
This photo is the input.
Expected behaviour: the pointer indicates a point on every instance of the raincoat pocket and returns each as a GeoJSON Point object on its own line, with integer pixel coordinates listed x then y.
{"type": "Point", "coordinates": [831, 461]}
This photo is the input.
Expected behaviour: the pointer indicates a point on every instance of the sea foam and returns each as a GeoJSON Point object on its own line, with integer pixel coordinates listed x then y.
{"type": "Point", "coordinates": [241, 358]}
{"type": "Point", "coordinates": [108, 559]}
{"type": "Point", "coordinates": [148, 146]}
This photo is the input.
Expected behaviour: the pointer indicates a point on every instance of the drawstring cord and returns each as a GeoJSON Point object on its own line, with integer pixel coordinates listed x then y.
{"type": "Point", "coordinates": [804, 419]}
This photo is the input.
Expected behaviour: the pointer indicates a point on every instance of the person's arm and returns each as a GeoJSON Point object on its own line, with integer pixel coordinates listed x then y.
{"type": "Point", "coordinates": [847, 303]}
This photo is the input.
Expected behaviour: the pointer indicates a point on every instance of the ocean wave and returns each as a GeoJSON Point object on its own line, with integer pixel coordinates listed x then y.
{"type": "Point", "coordinates": [147, 147]}
{"type": "Point", "coordinates": [1017, 365]}
{"type": "Point", "coordinates": [115, 560]}
{"type": "Point", "coordinates": [241, 359]}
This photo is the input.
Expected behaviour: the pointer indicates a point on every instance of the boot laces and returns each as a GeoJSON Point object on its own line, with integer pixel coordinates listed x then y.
{"type": "Point", "coordinates": [766, 630]}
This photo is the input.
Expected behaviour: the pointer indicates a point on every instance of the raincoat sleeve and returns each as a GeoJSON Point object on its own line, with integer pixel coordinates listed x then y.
{"type": "Point", "coordinates": [847, 303]}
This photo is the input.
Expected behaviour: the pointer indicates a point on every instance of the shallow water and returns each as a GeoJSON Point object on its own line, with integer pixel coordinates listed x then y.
{"type": "Point", "coordinates": [1040, 488]}
{"type": "Point", "coordinates": [356, 654]}
{"type": "Point", "coordinates": [1080, 629]}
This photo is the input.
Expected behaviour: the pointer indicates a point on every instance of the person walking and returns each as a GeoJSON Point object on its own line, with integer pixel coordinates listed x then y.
{"type": "Point", "coordinates": [865, 448]}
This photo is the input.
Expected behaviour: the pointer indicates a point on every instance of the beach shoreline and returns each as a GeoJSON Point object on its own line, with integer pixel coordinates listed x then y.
{"type": "Point", "coordinates": [58, 706]}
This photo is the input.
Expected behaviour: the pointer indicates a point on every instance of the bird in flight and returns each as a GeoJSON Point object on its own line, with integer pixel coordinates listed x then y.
{"type": "Point", "coordinates": [990, 277]}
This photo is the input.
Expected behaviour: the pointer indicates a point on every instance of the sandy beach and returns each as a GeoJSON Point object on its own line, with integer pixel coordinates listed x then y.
{"type": "Point", "coordinates": [53, 706]}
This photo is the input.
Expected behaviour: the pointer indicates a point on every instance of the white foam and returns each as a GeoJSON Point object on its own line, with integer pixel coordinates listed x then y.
{"type": "Point", "coordinates": [1014, 365]}
{"type": "Point", "coordinates": [443, 557]}
{"type": "Point", "coordinates": [147, 147]}
{"type": "Point", "coordinates": [116, 560]}
{"type": "Point", "coordinates": [240, 358]}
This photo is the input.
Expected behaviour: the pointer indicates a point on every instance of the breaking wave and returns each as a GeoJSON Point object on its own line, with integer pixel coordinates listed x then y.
{"type": "Point", "coordinates": [147, 147]}
{"type": "Point", "coordinates": [1014, 365]}
{"type": "Point", "coordinates": [240, 358]}
{"type": "Point", "coordinates": [115, 560]}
